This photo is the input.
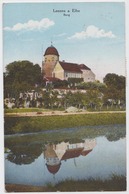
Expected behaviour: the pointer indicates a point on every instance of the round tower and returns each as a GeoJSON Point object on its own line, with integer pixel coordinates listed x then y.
{"type": "Point", "coordinates": [51, 57]}
{"type": "Point", "coordinates": [52, 161]}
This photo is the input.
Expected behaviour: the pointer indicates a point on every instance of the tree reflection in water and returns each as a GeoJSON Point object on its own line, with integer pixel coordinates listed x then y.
{"type": "Point", "coordinates": [22, 154]}
{"type": "Point", "coordinates": [54, 153]}
{"type": "Point", "coordinates": [25, 149]}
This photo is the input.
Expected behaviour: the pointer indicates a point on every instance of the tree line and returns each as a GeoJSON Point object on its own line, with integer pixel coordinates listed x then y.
{"type": "Point", "coordinates": [23, 82]}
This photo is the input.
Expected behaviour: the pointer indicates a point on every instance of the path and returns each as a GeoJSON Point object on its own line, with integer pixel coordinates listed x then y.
{"type": "Point", "coordinates": [51, 113]}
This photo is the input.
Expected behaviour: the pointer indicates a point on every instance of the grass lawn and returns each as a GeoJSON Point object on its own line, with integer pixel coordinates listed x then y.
{"type": "Point", "coordinates": [116, 183]}
{"type": "Point", "coordinates": [37, 124]}
{"type": "Point", "coordinates": [24, 110]}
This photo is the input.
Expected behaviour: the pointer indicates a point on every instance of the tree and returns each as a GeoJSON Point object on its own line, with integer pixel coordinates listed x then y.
{"type": "Point", "coordinates": [115, 91]}
{"type": "Point", "coordinates": [73, 99]}
{"type": "Point", "coordinates": [115, 81]}
{"type": "Point", "coordinates": [46, 99]}
{"type": "Point", "coordinates": [92, 85]}
{"type": "Point", "coordinates": [94, 98]}
{"type": "Point", "coordinates": [21, 76]}
{"type": "Point", "coordinates": [74, 81]}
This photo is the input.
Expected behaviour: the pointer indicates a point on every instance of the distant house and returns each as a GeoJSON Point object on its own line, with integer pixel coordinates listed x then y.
{"type": "Point", "coordinates": [53, 68]}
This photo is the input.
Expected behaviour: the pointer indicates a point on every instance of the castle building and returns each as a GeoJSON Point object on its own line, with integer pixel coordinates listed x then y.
{"type": "Point", "coordinates": [56, 153]}
{"type": "Point", "coordinates": [53, 68]}
{"type": "Point", "coordinates": [51, 57]}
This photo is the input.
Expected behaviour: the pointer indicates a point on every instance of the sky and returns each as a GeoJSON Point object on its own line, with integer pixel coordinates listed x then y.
{"type": "Point", "coordinates": [90, 33]}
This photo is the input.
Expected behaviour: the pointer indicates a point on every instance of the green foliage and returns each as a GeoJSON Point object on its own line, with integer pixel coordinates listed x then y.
{"type": "Point", "coordinates": [72, 99]}
{"type": "Point", "coordinates": [25, 110]}
{"type": "Point", "coordinates": [114, 80]}
{"type": "Point", "coordinates": [92, 86]}
{"type": "Point", "coordinates": [93, 98]}
{"type": "Point", "coordinates": [21, 76]}
{"type": "Point", "coordinates": [115, 183]}
{"type": "Point", "coordinates": [50, 98]}
{"type": "Point", "coordinates": [60, 84]}
{"type": "Point", "coordinates": [31, 145]}
{"type": "Point", "coordinates": [115, 88]}
{"type": "Point", "coordinates": [112, 132]}
{"type": "Point", "coordinates": [35, 124]}
{"type": "Point", "coordinates": [74, 80]}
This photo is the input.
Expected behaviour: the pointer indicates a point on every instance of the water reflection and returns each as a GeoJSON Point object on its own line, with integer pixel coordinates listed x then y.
{"type": "Point", "coordinates": [24, 154]}
{"type": "Point", "coordinates": [40, 163]}
{"type": "Point", "coordinates": [55, 153]}
{"type": "Point", "coordinates": [49, 157]}
{"type": "Point", "coordinates": [26, 148]}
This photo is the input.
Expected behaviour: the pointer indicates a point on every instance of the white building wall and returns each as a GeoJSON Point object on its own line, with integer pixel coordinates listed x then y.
{"type": "Point", "coordinates": [72, 75]}
{"type": "Point", "coordinates": [88, 76]}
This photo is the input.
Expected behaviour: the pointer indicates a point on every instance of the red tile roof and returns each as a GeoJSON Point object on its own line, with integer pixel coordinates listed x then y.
{"type": "Point", "coordinates": [52, 79]}
{"type": "Point", "coordinates": [70, 67]}
{"type": "Point", "coordinates": [72, 153]}
{"type": "Point", "coordinates": [85, 152]}
{"type": "Point", "coordinates": [51, 51]}
{"type": "Point", "coordinates": [53, 169]}
{"type": "Point", "coordinates": [82, 66]}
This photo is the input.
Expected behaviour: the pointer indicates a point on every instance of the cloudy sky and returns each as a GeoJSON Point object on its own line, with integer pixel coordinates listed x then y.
{"type": "Point", "coordinates": [89, 33]}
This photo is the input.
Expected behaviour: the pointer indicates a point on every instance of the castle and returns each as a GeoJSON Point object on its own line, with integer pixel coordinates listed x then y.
{"type": "Point", "coordinates": [53, 68]}
{"type": "Point", "coordinates": [54, 154]}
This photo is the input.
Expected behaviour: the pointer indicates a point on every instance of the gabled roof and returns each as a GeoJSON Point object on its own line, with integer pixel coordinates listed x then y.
{"type": "Point", "coordinates": [72, 153]}
{"type": "Point", "coordinates": [85, 152]}
{"type": "Point", "coordinates": [84, 67]}
{"type": "Point", "coordinates": [70, 67]}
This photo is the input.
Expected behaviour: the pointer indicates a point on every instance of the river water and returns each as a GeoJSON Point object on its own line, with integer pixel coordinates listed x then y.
{"type": "Point", "coordinates": [39, 162]}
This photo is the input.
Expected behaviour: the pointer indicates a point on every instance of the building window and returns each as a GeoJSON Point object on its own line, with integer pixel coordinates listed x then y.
{"type": "Point", "coordinates": [66, 74]}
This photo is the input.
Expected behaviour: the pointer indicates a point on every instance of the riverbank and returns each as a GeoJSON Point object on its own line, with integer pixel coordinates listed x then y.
{"type": "Point", "coordinates": [116, 183]}
{"type": "Point", "coordinates": [27, 124]}
{"type": "Point", "coordinates": [57, 113]}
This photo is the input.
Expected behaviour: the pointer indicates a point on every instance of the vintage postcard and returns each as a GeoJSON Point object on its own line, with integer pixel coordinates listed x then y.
{"type": "Point", "coordinates": [64, 96]}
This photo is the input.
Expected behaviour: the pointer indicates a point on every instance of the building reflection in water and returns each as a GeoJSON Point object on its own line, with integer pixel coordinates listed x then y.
{"type": "Point", "coordinates": [55, 153]}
